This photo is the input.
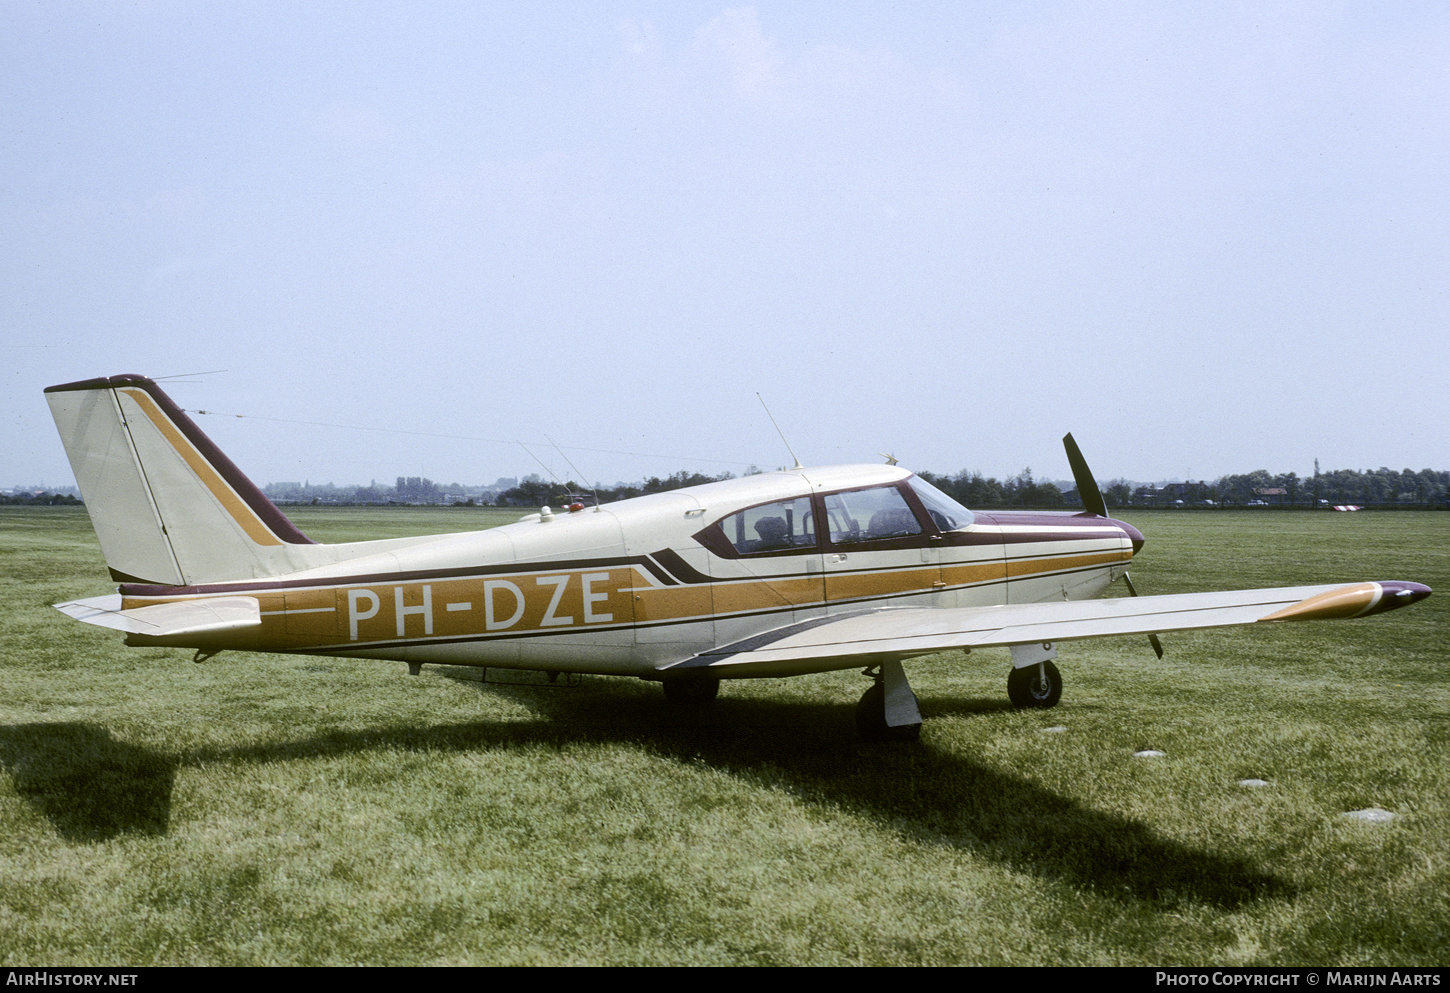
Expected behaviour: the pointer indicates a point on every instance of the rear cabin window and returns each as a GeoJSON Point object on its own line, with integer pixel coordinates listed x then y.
{"type": "Point", "coordinates": [774, 527]}
{"type": "Point", "coordinates": [870, 515]}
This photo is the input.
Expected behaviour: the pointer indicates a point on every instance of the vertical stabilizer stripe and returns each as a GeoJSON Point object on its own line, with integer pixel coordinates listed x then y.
{"type": "Point", "coordinates": [224, 494]}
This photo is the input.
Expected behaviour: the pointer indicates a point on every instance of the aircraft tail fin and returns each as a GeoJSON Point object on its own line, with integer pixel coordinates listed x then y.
{"type": "Point", "coordinates": [168, 507]}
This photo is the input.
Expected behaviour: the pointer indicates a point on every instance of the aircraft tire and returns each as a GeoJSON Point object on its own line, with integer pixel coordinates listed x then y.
{"type": "Point", "coordinates": [691, 692]}
{"type": "Point", "coordinates": [1025, 688]}
{"type": "Point", "coordinates": [871, 719]}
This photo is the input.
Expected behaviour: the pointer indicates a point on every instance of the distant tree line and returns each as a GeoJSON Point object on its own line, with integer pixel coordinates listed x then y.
{"type": "Point", "coordinates": [531, 491]}
{"type": "Point", "coordinates": [1369, 487]}
{"type": "Point", "coordinates": [1381, 487]}
{"type": "Point", "coordinates": [972, 489]}
{"type": "Point", "coordinates": [536, 492]}
{"type": "Point", "coordinates": [39, 500]}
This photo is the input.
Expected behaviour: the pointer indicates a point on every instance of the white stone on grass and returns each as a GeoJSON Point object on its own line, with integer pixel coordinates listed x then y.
{"type": "Point", "coordinates": [1372, 814]}
{"type": "Point", "coordinates": [1148, 753]}
{"type": "Point", "coordinates": [1253, 782]}
{"type": "Point", "coordinates": [1055, 730]}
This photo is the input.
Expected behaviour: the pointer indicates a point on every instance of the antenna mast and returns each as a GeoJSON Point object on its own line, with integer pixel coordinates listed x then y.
{"type": "Point", "coordinates": [779, 432]}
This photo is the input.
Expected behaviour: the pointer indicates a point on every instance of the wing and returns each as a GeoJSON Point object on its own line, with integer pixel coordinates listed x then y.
{"type": "Point", "coordinates": [868, 637]}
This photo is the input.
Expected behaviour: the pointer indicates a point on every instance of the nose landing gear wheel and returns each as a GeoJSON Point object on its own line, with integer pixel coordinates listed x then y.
{"type": "Point", "coordinates": [1038, 685]}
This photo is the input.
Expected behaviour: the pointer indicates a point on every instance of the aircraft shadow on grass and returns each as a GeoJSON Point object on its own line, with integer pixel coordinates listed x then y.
{"type": "Point", "coordinates": [90, 786]}
{"type": "Point", "coordinates": [93, 787]}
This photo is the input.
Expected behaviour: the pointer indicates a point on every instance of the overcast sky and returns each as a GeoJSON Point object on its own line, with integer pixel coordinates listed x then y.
{"type": "Point", "coordinates": [1205, 238]}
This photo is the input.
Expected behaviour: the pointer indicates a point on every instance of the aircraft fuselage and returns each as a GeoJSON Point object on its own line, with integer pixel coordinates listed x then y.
{"type": "Point", "coordinates": [633, 587]}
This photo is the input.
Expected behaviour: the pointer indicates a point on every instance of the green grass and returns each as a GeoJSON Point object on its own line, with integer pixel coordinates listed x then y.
{"type": "Point", "coordinates": [272, 809]}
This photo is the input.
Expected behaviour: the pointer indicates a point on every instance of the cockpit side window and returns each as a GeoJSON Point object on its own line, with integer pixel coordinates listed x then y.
{"type": "Point", "coordinates": [946, 513]}
{"type": "Point", "coordinates": [770, 529]}
{"type": "Point", "coordinates": [874, 514]}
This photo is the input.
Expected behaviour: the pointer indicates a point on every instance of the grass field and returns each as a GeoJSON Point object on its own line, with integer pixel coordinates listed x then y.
{"type": "Point", "coordinates": [271, 809]}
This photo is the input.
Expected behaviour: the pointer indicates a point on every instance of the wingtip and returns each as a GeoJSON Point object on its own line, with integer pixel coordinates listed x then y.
{"type": "Point", "coordinates": [1402, 593]}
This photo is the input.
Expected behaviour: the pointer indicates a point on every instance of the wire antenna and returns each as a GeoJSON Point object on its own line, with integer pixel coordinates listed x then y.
{"type": "Point", "coordinates": [456, 437]}
{"type": "Point", "coordinates": [184, 376]}
{"type": "Point", "coordinates": [779, 432]}
{"type": "Point", "coordinates": [582, 478]}
{"type": "Point", "coordinates": [541, 462]}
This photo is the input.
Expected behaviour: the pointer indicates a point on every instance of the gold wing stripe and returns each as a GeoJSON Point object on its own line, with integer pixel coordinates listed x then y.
{"type": "Point", "coordinates": [1346, 601]}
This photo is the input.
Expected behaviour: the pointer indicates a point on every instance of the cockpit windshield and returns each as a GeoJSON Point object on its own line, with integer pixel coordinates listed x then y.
{"type": "Point", "coordinates": [946, 513]}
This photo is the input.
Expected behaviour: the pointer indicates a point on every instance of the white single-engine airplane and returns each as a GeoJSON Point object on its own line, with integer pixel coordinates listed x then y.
{"type": "Point", "coordinates": [777, 574]}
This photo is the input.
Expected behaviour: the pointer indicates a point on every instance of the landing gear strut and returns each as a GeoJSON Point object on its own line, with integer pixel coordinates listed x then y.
{"type": "Point", "coordinates": [888, 710]}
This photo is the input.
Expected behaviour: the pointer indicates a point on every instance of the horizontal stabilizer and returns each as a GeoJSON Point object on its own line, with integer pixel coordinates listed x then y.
{"type": "Point", "coordinates": [161, 620]}
{"type": "Point", "coordinates": [902, 632]}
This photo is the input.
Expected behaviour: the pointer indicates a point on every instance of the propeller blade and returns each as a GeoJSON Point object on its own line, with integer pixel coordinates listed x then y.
{"type": "Point", "coordinates": [1152, 638]}
{"type": "Point", "coordinates": [1093, 502]}
{"type": "Point", "coordinates": [1087, 487]}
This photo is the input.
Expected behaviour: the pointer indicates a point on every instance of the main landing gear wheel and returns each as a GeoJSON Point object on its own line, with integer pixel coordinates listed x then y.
{"type": "Point", "coordinates": [871, 711]}
{"type": "Point", "coordinates": [692, 692]}
{"type": "Point", "coordinates": [1036, 685]}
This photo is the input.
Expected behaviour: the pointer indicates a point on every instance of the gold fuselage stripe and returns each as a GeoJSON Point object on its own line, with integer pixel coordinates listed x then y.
{"type": "Point", "coordinates": [574, 600]}
{"type": "Point", "coordinates": [1019, 568]}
